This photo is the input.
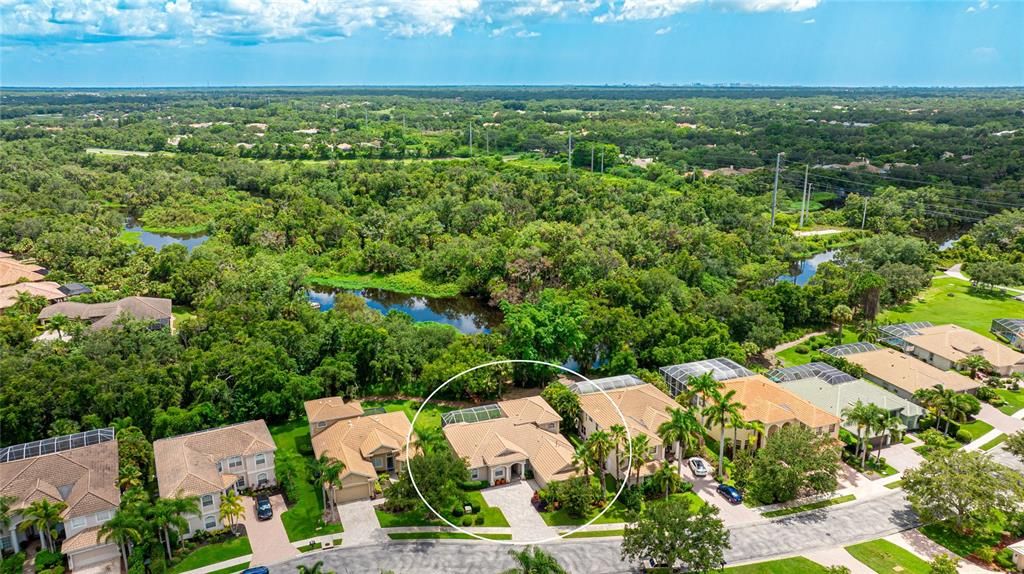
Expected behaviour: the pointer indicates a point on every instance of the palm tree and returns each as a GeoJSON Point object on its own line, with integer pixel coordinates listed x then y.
{"type": "Point", "coordinates": [28, 303]}
{"type": "Point", "coordinates": [168, 513]}
{"type": "Point", "coordinates": [59, 323]}
{"type": "Point", "coordinates": [581, 458]}
{"type": "Point", "coordinates": [131, 477]}
{"type": "Point", "coordinates": [599, 445]}
{"type": "Point", "coordinates": [973, 364]}
{"type": "Point", "coordinates": [938, 399]}
{"type": "Point", "coordinates": [722, 411]}
{"type": "Point", "coordinates": [666, 478]}
{"type": "Point", "coordinates": [681, 429]}
{"type": "Point", "coordinates": [6, 514]}
{"type": "Point", "coordinates": [317, 568]}
{"type": "Point", "coordinates": [124, 529]}
{"type": "Point", "coordinates": [856, 414]}
{"type": "Point", "coordinates": [326, 469]}
{"type": "Point", "coordinates": [959, 407]}
{"type": "Point", "coordinates": [641, 446]}
{"type": "Point", "coordinates": [700, 386]}
{"type": "Point", "coordinates": [332, 474]}
{"type": "Point", "coordinates": [841, 315]}
{"type": "Point", "coordinates": [44, 516]}
{"type": "Point", "coordinates": [892, 426]}
{"type": "Point", "coordinates": [533, 560]}
{"type": "Point", "coordinates": [231, 509]}
{"type": "Point", "coordinates": [619, 435]}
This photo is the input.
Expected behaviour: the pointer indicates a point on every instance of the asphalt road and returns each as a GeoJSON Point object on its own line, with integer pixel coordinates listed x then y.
{"type": "Point", "coordinates": [808, 531]}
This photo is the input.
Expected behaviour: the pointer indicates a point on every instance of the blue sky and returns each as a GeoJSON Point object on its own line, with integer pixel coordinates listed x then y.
{"type": "Point", "coordinates": [424, 42]}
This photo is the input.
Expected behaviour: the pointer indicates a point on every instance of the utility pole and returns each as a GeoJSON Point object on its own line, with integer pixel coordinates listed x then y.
{"type": "Point", "coordinates": [591, 158]}
{"type": "Point", "coordinates": [470, 140]}
{"type": "Point", "coordinates": [602, 161]}
{"type": "Point", "coordinates": [570, 151]}
{"type": "Point", "coordinates": [864, 216]}
{"type": "Point", "coordinates": [487, 142]}
{"type": "Point", "coordinates": [803, 198]}
{"type": "Point", "coordinates": [775, 187]}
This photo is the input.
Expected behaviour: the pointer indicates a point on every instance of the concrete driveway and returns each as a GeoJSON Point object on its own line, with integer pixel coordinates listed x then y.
{"type": "Point", "coordinates": [361, 524]}
{"type": "Point", "coordinates": [731, 514]}
{"type": "Point", "coordinates": [268, 538]}
{"type": "Point", "coordinates": [514, 501]}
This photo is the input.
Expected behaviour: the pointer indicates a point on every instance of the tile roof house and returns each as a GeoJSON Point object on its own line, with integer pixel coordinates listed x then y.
{"type": "Point", "coordinates": [775, 408]}
{"type": "Point", "coordinates": [945, 345]}
{"type": "Point", "coordinates": [13, 271]}
{"type": "Point", "coordinates": [322, 413]}
{"type": "Point", "coordinates": [644, 408]}
{"type": "Point", "coordinates": [79, 470]}
{"type": "Point", "coordinates": [521, 437]}
{"type": "Point", "coordinates": [45, 289]}
{"type": "Point", "coordinates": [367, 444]}
{"type": "Point", "coordinates": [900, 373]}
{"type": "Point", "coordinates": [208, 463]}
{"type": "Point", "coordinates": [104, 315]}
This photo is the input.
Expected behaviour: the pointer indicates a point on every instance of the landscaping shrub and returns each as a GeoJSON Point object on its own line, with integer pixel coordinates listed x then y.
{"type": "Point", "coordinates": [13, 564]}
{"type": "Point", "coordinates": [986, 554]}
{"type": "Point", "coordinates": [987, 394]}
{"type": "Point", "coordinates": [458, 510]}
{"type": "Point", "coordinates": [474, 485]}
{"type": "Point", "coordinates": [304, 444]}
{"type": "Point", "coordinates": [479, 520]}
{"type": "Point", "coordinates": [476, 507]}
{"type": "Point", "coordinates": [964, 436]}
{"type": "Point", "coordinates": [46, 560]}
{"type": "Point", "coordinates": [1004, 559]}
{"type": "Point", "coordinates": [802, 350]}
{"type": "Point", "coordinates": [467, 521]}
{"type": "Point", "coordinates": [633, 499]}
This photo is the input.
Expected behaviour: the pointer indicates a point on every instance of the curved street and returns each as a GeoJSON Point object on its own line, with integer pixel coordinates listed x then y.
{"type": "Point", "coordinates": [836, 526]}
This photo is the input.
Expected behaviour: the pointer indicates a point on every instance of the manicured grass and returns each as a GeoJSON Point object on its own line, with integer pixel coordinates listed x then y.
{"type": "Point", "coordinates": [978, 428]}
{"type": "Point", "coordinates": [960, 544]}
{"type": "Point", "coordinates": [812, 506]}
{"type": "Point", "coordinates": [214, 553]}
{"type": "Point", "coordinates": [182, 312]}
{"type": "Point", "coordinates": [230, 569]}
{"type": "Point", "coordinates": [894, 484]}
{"type": "Point", "coordinates": [421, 516]}
{"type": "Point", "coordinates": [429, 419]}
{"type": "Point", "coordinates": [798, 565]}
{"type": "Point", "coordinates": [952, 300]}
{"type": "Point", "coordinates": [303, 518]}
{"type": "Point", "coordinates": [1014, 400]}
{"type": "Point", "coordinates": [444, 536]}
{"type": "Point", "coordinates": [409, 282]}
{"type": "Point", "coordinates": [615, 515]}
{"type": "Point", "coordinates": [596, 533]}
{"type": "Point", "coordinates": [310, 547]}
{"type": "Point", "coordinates": [994, 442]}
{"type": "Point", "coordinates": [885, 557]}
{"type": "Point", "coordinates": [791, 358]}
{"type": "Point", "coordinates": [118, 152]}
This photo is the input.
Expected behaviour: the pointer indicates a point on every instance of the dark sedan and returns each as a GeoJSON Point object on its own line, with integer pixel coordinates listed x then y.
{"type": "Point", "coordinates": [264, 510]}
{"type": "Point", "coordinates": [730, 493]}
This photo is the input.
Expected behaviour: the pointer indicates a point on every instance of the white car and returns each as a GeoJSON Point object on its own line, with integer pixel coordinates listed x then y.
{"type": "Point", "coordinates": [698, 466]}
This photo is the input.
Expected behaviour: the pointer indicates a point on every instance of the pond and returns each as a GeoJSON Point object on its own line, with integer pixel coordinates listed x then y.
{"type": "Point", "coordinates": [160, 240]}
{"type": "Point", "coordinates": [467, 314]}
{"type": "Point", "coordinates": [802, 271]}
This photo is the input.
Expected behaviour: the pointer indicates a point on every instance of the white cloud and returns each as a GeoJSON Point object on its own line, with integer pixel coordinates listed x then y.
{"type": "Point", "coordinates": [985, 53]}
{"type": "Point", "coordinates": [971, 9]}
{"type": "Point", "coordinates": [809, 21]}
{"type": "Point", "coordinates": [527, 34]}
{"type": "Point", "coordinates": [655, 9]}
{"type": "Point", "coordinates": [663, 31]}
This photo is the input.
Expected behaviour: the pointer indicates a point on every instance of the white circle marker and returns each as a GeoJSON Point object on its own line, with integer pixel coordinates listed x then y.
{"type": "Point", "coordinates": [412, 425]}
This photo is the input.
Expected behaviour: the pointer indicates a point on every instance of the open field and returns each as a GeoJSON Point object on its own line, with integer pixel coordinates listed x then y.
{"type": "Point", "coordinates": [950, 300]}
{"type": "Point", "coordinates": [409, 282]}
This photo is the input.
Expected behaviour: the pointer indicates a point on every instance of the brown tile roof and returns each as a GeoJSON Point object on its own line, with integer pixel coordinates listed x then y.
{"type": "Point", "coordinates": [47, 289]}
{"type": "Point", "coordinates": [84, 478]}
{"type": "Point", "coordinates": [505, 440]}
{"type": "Point", "coordinates": [909, 373]}
{"type": "Point", "coordinates": [354, 440]}
{"type": "Point", "coordinates": [769, 403]}
{"type": "Point", "coordinates": [186, 465]}
{"type": "Point", "coordinates": [332, 408]}
{"type": "Point", "coordinates": [83, 539]}
{"type": "Point", "coordinates": [955, 343]}
{"type": "Point", "coordinates": [103, 315]}
{"type": "Point", "coordinates": [643, 406]}
{"type": "Point", "coordinates": [12, 272]}
{"type": "Point", "coordinates": [531, 409]}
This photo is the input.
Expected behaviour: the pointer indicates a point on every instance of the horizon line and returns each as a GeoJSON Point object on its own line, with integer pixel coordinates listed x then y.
{"type": "Point", "coordinates": [717, 85]}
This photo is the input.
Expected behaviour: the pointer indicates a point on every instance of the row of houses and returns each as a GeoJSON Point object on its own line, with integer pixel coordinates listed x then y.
{"type": "Point", "coordinates": [27, 277]}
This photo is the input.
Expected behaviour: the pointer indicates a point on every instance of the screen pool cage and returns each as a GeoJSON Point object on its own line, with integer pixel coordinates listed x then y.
{"type": "Point", "coordinates": [472, 415]}
{"type": "Point", "coordinates": [850, 349]}
{"type": "Point", "coordinates": [722, 369]}
{"type": "Point", "coordinates": [55, 444]}
{"type": "Point", "coordinates": [606, 384]}
{"type": "Point", "coordinates": [1009, 330]}
{"type": "Point", "coordinates": [823, 371]}
{"type": "Point", "coordinates": [896, 335]}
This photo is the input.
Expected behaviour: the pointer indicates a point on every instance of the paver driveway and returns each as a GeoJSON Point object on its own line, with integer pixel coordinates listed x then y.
{"type": "Point", "coordinates": [268, 537]}
{"type": "Point", "coordinates": [514, 502]}
{"type": "Point", "coordinates": [731, 514]}
{"type": "Point", "coordinates": [811, 531]}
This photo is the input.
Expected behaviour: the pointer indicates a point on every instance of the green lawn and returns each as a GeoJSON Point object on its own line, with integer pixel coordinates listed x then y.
{"type": "Point", "coordinates": [798, 565]}
{"type": "Point", "coordinates": [811, 506]}
{"type": "Point", "coordinates": [894, 484]}
{"type": "Point", "coordinates": [596, 533]}
{"type": "Point", "coordinates": [213, 553]}
{"type": "Point", "coordinates": [1014, 400]}
{"type": "Point", "coordinates": [444, 536]}
{"type": "Point", "coordinates": [978, 428]}
{"type": "Point", "coordinates": [615, 515]}
{"type": "Point", "coordinates": [230, 569]}
{"type": "Point", "coordinates": [791, 358]}
{"type": "Point", "coordinates": [960, 544]}
{"type": "Point", "coordinates": [421, 516]}
{"type": "Point", "coordinates": [409, 282]}
{"type": "Point", "coordinates": [952, 300]}
{"type": "Point", "coordinates": [994, 442]}
{"type": "Point", "coordinates": [302, 519]}
{"type": "Point", "coordinates": [885, 557]}
{"type": "Point", "coordinates": [430, 418]}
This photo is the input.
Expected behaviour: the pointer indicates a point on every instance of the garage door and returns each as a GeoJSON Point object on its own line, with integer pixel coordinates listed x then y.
{"type": "Point", "coordinates": [351, 492]}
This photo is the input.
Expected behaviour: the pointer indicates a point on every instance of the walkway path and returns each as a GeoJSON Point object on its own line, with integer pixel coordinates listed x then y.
{"type": "Point", "coordinates": [926, 549]}
{"type": "Point", "coordinates": [268, 538]}
{"type": "Point", "coordinates": [361, 524]}
{"type": "Point", "coordinates": [839, 557]}
{"type": "Point", "coordinates": [514, 501]}
{"type": "Point", "coordinates": [955, 273]}
{"type": "Point", "coordinates": [770, 354]}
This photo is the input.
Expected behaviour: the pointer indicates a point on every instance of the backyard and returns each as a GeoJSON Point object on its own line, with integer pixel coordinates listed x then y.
{"type": "Point", "coordinates": [950, 300]}
{"type": "Point", "coordinates": [303, 518]}
{"type": "Point", "coordinates": [1014, 400]}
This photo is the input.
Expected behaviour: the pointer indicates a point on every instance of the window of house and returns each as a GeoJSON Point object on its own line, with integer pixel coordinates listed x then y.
{"type": "Point", "coordinates": [104, 516]}
{"type": "Point", "coordinates": [499, 472]}
{"type": "Point", "coordinates": [207, 500]}
{"type": "Point", "coordinates": [321, 424]}
{"type": "Point", "coordinates": [261, 459]}
{"type": "Point", "coordinates": [378, 462]}
{"type": "Point", "coordinates": [474, 474]}
{"type": "Point", "coordinates": [235, 462]}
{"type": "Point", "coordinates": [261, 478]}
{"type": "Point", "coordinates": [78, 522]}
{"type": "Point", "coordinates": [240, 483]}
{"type": "Point", "coordinates": [210, 522]}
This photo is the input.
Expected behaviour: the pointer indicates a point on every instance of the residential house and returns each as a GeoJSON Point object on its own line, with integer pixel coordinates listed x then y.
{"type": "Point", "coordinates": [13, 271]}
{"type": "Point", "coordinates": [943, 346]}
{"type": "Point", "coordinates": [104, 315]}
{"type": "Point", "coordinates": [510, 441]}
{"type": "Point", "coordinates": [1017, 551]}
{"type": "Point", "coordinates": [45, 289]}
{"type": "Point", "coordinates": [1009, 330]}
{"type": "Point", "coordinates": [79, 470]}
{"type": "Point", "coordinates": [605, 402]}
{"type": "Point", "coordinates": [775, 408]}
{"type": "Point", "coordinates": [75, 289]}
{"type": "Point", "coordinates": [367, 444]}
{"type": "Point", "coordinates": [900, 373]}
{"type": "Point", "coordinates": [832, 390]}
{"type": "Point", "coordinates": [721, 369]}
{"type": "Point", "coordinates": [209, 463]}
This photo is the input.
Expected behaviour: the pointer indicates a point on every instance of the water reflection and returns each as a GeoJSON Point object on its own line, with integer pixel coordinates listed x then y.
{"type": "Point", "coordinates": [466, 314]}
{"type": "Point", "coordinates": [160, 240]}
{"type": "Point", "coordinates": [802, 271]}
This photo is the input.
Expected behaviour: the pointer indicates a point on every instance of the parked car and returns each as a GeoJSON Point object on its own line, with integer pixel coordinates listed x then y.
{"type": "Point", "coordinates": [698, 466]}
{"type": "Point", "coordinates": [264, 510]}
{"type": "Point", "coordinates": [257, 570]}
{"type": "Point", "coordinates": [730, 493]}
